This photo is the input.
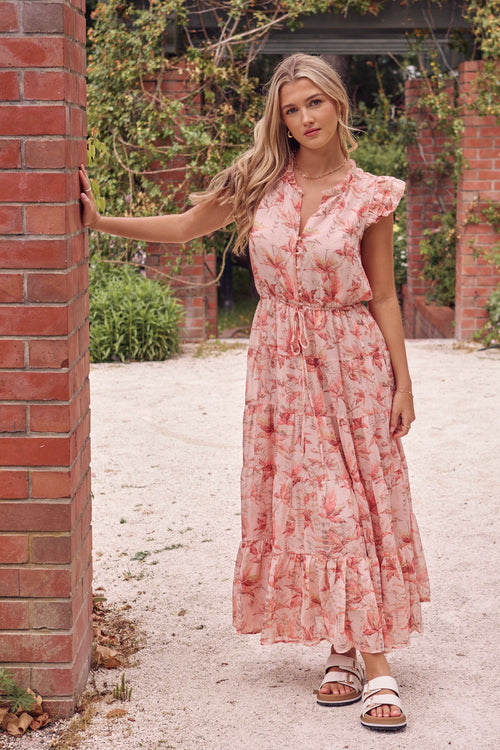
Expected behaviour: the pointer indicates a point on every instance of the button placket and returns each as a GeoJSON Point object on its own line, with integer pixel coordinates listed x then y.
{"type": "Point", "coordinates": [298, 252]}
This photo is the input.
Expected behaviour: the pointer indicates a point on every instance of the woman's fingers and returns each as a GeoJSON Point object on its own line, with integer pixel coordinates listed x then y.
{"type": "Point", "coordinates": [89, 213]}
{"type": "Point", "coordinates": [401, 430]}
{"type": "Point", "coordinates": [84, 180]}
{"type": "Point", "coordinates": [402, 416]}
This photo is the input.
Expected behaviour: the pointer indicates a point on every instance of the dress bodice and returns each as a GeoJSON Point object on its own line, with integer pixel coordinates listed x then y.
{"type": "Point", "coordinates": [320, 267]}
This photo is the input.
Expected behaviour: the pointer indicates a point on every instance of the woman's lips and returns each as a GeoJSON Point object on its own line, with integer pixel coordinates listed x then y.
{"type": "Point", "coordinates": [313, 131]}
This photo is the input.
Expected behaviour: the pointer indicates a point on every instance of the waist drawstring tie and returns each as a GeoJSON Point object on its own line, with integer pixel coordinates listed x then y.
{"type": "Point", "coordinates": [298, 344]}
{"type": "Point", "coordinates": [299, 340]}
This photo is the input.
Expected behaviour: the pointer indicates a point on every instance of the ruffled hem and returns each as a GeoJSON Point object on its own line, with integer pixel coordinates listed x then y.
{"type": "Point", "coordinates": [347, 601]}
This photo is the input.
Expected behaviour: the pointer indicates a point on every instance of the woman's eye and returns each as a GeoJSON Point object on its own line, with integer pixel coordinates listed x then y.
{"type": "Point", "coordinates": [291, 111]}
{"type": "Point", "coordinates": [315, 102]}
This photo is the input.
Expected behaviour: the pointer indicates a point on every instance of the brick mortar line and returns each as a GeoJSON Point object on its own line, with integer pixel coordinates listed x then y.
{"type": "Point", "coordinates": [36, 500]}
{"type": "Point", "coordinates": [55, 305]}
{"type": "Point", "coordinates": [32, 337]}
{"type": "Point", "coordinates": [31, 271]}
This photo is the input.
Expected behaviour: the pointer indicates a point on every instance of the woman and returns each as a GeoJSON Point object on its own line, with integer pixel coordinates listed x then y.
{"type": "Point", "coordinates": [330, 546]}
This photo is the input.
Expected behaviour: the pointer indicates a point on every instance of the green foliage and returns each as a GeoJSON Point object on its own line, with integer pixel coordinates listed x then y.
{"type": "Point", "coordinates": [439, 249]}
{"type": "Point", "coordinates": [148, 128]}
{"type": "Point", "coordinates": [95, 149]}
{"type": "Point", "coordinates": [122, 691]}
{"type": "Point", "coordinates": [16, 697]}
{"type": "Point", "coordinates": [131, 317]}
{"type": "Point", "coordinates": [444, 113]}
{"type": "Point", "coordinates": [440, 109]}
{"type": "Point", "coordinates": [382, 151]}
{"type": "Point", "coordinates": [489, 334]}
{"type": "Point", "coordinates": [484, 18]}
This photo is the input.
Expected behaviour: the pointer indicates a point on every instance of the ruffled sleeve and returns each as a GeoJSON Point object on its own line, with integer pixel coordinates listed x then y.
{"type": "Point", "coordinates": [387, 192]}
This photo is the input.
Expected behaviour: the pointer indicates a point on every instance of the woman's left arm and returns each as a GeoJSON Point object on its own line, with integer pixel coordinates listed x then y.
{"type": "Point", "coordinates": [376, 256]}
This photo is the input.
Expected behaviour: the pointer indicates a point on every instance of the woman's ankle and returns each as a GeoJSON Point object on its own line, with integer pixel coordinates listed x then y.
{"type": "Point", "coordinates": [376, 665]}
{"type": "Point", "coordinates": [351, 653]}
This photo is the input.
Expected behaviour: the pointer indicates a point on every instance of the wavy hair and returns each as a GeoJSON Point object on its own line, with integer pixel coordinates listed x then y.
{"type": "Point", "coordinates": [247, 179]}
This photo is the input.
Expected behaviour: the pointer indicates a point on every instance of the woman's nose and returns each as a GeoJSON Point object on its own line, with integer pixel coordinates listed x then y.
{"type": "Point", "coordinates": [306, 115]}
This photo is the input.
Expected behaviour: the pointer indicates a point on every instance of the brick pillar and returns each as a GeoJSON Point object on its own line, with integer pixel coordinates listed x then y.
{"type": "Point", "coordinates": [426, 197]}
{"type": "Point", "coordinates": [192, 285]}
{"type": "Point", "coordinates": [45, 536]}
{"type": "Point", "coordinates": [480, 182]}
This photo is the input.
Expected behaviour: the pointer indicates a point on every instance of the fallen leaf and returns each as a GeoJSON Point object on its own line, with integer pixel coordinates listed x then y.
{"type": "Point", "coordinates": [8, 717]}
{"type": "Point", "coordinates": [40, 722]}
{"type": "Point", "coordinates": [106, 657]}
{"type": "Point", "coordinates": [116, 713]}
{"type": "Point", "coordinates": [24, 721]}
{"type": "Point", "coordinates": [13, 727]}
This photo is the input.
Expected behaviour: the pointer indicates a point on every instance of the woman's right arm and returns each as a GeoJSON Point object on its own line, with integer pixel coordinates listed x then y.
{"type": "Point", "coordinates": [200, 220]}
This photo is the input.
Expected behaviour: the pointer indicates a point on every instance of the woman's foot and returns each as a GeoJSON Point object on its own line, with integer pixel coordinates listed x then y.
{"type": "Point", "coordinates": [347, 679]}
{"type": "Point", "coordinates": [376, 665]}
{"type": "Point", "coordinates": [336, 688]}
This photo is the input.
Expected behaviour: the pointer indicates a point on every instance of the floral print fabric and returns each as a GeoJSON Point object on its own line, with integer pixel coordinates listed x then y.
{"type": "Point", "coordinates": [330, 546]}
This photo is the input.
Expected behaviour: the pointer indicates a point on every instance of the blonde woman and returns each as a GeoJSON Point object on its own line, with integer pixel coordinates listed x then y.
{"type": "Point", "coordinates": [330, 547]}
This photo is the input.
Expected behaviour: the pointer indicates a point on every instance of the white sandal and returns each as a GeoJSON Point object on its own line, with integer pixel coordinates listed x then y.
{"type": "Point", "coordinates": [371, 700]}
{"type": "Point", "coordinates": [346, 671]}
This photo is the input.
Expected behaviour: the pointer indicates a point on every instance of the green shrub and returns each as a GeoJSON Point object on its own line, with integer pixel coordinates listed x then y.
{"type": "Point", "coordinates": [131, 317]}
{"type": "Point", "coordinates": [489, 335]}
{"type": "Point", "coordinates": [388, 159]}
{"type": "Point", "coordinates": [438, 247]}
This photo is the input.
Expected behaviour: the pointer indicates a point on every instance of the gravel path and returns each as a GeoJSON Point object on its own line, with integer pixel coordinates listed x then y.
{"type": "Point", "coordinates": [166, 444]}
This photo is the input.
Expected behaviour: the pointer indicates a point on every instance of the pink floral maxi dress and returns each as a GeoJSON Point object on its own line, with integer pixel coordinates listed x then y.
{"type": "Point", "coordinates": [330, 546]}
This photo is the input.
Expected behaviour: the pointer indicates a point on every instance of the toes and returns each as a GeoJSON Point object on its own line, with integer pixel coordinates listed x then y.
{"type": "Point", "coordinates": [335, 688]}
{"type": "Point", "coordinates": [385, 712]}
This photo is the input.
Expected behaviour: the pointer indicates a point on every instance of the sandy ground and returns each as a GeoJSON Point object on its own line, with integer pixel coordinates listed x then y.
{"type": "Point", "coordinates": [166, 462]}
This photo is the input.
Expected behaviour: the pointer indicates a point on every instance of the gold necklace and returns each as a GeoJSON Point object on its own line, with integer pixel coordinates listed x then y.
{"type": "Point", "coordinates": [319, 176]}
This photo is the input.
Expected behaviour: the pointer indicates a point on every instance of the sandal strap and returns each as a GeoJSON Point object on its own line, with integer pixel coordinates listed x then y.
{"type": "Point", "coordinates": [372, 699]}
{"type": "Point", "coordinates": [347, 664]}
{"type": "Point", "coordinates": [345, 671]}
{"type": "Point", "coordinates": [343, 678]}
{"type": "Point", "coordinates": [380, 683]}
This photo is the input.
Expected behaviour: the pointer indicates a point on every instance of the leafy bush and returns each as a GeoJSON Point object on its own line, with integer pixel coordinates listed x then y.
{"type": "Point", "coordinates": [439, 250]}
{"type": "Point", "coordinates": [382, 151]}
{"type": "Point", "coordinates": [489, 334]}
{"type": "Point", "coordinates": [131, 317]}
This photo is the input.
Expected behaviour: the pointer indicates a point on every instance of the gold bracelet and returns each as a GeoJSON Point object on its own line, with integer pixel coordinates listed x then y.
{"type": "Point", "coordinates": [398, 390]}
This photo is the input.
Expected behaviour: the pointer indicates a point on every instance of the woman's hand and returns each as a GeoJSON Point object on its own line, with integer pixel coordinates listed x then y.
{"type": "Point", "coordinates": [90, 214]}
{"type": "Point", "coordinates": [403, 414]}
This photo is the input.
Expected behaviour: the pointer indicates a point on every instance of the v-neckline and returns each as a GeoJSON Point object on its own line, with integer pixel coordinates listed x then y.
{"type": "Point", "coordinates": [327, 193]}
{"type": "Point", "coordinates": [303, 228]}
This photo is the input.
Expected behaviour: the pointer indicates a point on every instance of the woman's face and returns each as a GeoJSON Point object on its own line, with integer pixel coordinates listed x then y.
{"type": "Point", "coordinates": [310, 115]}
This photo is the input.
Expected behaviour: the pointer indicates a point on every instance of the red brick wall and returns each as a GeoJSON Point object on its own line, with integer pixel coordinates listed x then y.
{"type": "Point", "coordinates": [45, 537]}
{"type": "Point", "coordinates": [193, 285]}
{"type": "Point", "coordinates": [480, 182]}
{"type": "Point", "coordinates": [426, 197]}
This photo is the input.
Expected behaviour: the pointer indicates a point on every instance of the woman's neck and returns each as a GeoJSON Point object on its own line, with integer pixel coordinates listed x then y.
{"type": "Point", "coordinates": [313, 162]}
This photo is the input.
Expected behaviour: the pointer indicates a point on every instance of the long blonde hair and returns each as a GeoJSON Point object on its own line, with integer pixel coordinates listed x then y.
{"type": "Point", "coordinates": [244, 183]}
